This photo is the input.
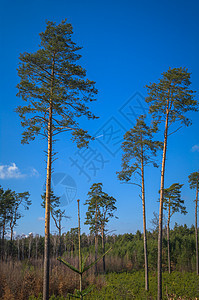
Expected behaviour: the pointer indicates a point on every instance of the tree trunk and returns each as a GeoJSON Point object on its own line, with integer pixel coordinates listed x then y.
{"type": "Point", "coordinates": [59, 252]}
{"type": "Point", "coordinates": [161, 207]}
{"type": "Point", "coordinates": [103, 251]}
{"type": "Point", "coordinates": [144, 227]}
{"type": "Point", "coordinates": [168, 239]}
{"type": "Point", "coordinates": [36, 247]}
{"type": "Point", "coordinates": [18, 248]}
{"type": "Point", "coordinates": [96, 238]}
{"type": "Point", "coordinates": [22, 248]}
{"type": "Point", "coordinates": [196, 227]}
{"type": "Point", "coordinates": [3, 240]}
{"type": "Point", "coordinates": [48, 191]}
{"type": "Point", "coordinates": [80, 256]}
{"type": "Point", "coordinates": [11, 234]}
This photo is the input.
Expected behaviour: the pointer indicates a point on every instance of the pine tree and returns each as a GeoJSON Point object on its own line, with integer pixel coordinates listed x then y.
{"type": "Point", "coordinates": [101, 208]}
{"type": "Point", "coordinates": [20, 199]}
{"type": "Point", "coordinates": [139, 149]}
{"type": "Point", "coordinates": [173, 203]}
{"type": "Point", "coordinates": [7, 200]}
{"type": "Point", "coordinates": [169, 100]}
{"type": "Point", "coordinates": [56, 93]}
{"type": "Point", "coordinates": [194, 184]}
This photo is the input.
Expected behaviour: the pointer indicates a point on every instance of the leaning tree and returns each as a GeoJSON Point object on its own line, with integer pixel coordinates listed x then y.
{"type": "Point", "coordinates": [169, 100]}
{"type": "Point", "coordinates": [56, 93]}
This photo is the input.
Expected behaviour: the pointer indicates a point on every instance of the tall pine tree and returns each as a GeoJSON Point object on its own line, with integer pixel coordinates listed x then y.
{"type": "Point", "coordinates": [56, 92]}
{"type": "Point", "coordinates": [169, 100]}
{"type": "Point", "coordinates": [139, 149]}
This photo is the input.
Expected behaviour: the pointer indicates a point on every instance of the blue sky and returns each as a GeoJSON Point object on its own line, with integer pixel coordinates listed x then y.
{"type": "Point", "coordinates": [126, 45]}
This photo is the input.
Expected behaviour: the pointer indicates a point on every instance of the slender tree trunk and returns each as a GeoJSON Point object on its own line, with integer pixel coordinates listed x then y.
{"type": "Point", "coordinates": [11, 234]}
{"type": "Point", "coordinates": [36, 247]}
{"type": "Point", "coordinates": [80, 256]}
{"type": "Point", "coordinates": [29, 246]}
{"type": "Point", "coordinates": [168, 239]}
{"type": "Point", "coordinates": [18, 248]}
{"type": "Point", "coordinates": [59, 252]}
{"type": "Point", "coordinates": [47, 211]}
{"type": "Point", "coordinates": [103, 251]}
{"type": "Point", "coordinates": [161, 208]}
{"type": "Point", "coordinates": [3, 240]}
{"type": "Point", "coordinates": [11, 241]}
{"type": "Point", "coordinates": [22, 248]}
{"type": "Point", "coordinates": [144, 227]}
{"type": "Point", "coordinates": [48, 190]}
{"type": "Point", "coordinates": [96, 238]}
{"type": "Point", "coordinates": [196, 228]}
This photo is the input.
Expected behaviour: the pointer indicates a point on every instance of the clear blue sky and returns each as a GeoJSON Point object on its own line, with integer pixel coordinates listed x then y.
{"type": "Point", "coordinates": [126, 45]}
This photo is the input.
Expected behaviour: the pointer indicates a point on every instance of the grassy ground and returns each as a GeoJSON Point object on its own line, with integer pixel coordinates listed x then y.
{"type": "Point", "coordinates": [20, 280]}
{"type": "Point", "coordinates": [131, 286]}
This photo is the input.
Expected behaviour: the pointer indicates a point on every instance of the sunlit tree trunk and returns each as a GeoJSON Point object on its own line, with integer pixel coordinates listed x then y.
{"type": "Point", "coordinates": [144, 224]}
{"type": "Point", "coordinates": [96, 238]}
{"type": "Point", "coordinates": [80, 256]}
{"type": "Point", "coordinates": [48, 190]}
{"type": "Point", "coordinates": [103, 250]}
{"type": "Point", "coordinates": [168, 239]}
{"type": "Point", "coordinates": [196, 228]}
{"type": "Point", "coordinates": [161, 206]}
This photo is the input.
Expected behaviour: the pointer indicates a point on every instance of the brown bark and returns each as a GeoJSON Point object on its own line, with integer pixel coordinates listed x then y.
{"type": "Point", "coordinates": [3, 239]}
{"type": "Point", "coordinates": [168, 239]}
{"type": "Point", "coordinates": [96, 238]}
{"type": "Point", "coordinates": [161, 207]}
{"type": "Point", "coordinates": [80, 257]}
{"type": "Point", "coordinates": [196, 228]}
{"type": "Point", "coordinates": [47, 203]}
{"type": "Point", "coordinates": [103, 251]}
{"type": "Point", "coordinates": [144, 224]}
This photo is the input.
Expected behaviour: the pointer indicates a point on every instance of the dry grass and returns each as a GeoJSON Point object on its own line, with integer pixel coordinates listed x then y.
{"type": "Point", "coordinates": [21, 279]}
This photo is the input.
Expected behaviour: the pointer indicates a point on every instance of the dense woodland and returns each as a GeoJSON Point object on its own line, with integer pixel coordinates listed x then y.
{"type": "Point", "coordinates": [127, 249]}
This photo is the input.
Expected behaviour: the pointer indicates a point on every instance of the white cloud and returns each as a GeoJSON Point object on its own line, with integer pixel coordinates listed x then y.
{"type": "Point", "coordinates": [10, 171]}
{"type": "Point", "coordinates": [195, 148]}
{"type": "Point", "coordinates": [41, 219]}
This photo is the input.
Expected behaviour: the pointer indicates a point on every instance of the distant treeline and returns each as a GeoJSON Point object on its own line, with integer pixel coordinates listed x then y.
{"type": "Point", "coordinates": [127, 248]}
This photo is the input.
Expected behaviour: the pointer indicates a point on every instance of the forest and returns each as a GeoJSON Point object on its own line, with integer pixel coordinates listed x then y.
{"type": "Point", "coordinates": [160, 262]}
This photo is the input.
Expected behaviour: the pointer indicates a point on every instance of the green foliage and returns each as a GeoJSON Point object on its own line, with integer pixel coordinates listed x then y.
{"type": "Point", "coordinates": [56, 213]}
{"type": "Point", "coordinates": [101, 208]}
{"type": "Point", "coordinates": [194, 180]}
{"type": "Point", "coordinates": [138, 147]}
{"type": "Point", "coordinates": [51, 76]}
{"type": "Point", "coordinates": [83, 268]}
{"type": "Point", "coordinates": [172, 199]}
{"type": "Point", "coordinates": [131, 286]}
{"type": "Point", "coordinates": [10, 204]}
{"type": "Point", "coordinates": [171, 95]}
{"type": "Point", "coordinates": [81, 294]}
